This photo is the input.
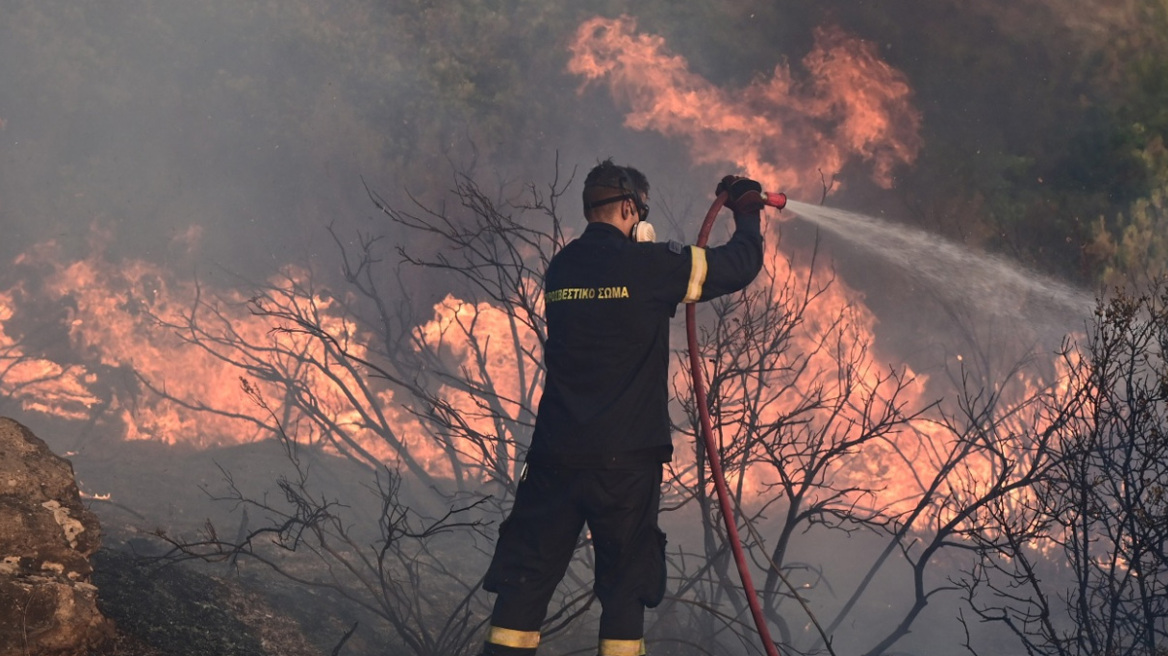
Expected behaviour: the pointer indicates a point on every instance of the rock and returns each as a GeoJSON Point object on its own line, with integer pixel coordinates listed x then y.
{"type": "Point", "coordinates": [48, 607]}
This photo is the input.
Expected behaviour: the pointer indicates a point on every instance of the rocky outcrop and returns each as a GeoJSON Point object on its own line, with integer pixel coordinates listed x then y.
{"type": "Point", "coordinates": [47, 604]}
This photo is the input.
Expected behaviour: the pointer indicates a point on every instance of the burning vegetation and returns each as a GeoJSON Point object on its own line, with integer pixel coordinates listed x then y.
{"type": "Point", "coordinates": [848, 104]}
{"type": "Point", "coordinates": [1029, 498]}
{"type": "Point", "coordinates": [968, 494]}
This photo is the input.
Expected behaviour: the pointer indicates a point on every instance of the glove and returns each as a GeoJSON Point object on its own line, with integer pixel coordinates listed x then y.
{"type": "Point", "coordinates": [742, 194]}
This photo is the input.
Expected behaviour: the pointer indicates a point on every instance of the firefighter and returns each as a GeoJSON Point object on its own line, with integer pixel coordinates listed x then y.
{"type": "Point", "coordinates": [602, 433]}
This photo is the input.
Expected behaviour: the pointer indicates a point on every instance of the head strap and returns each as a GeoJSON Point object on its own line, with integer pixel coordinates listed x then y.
{"type": "Point", "coordinates": [606, 201]}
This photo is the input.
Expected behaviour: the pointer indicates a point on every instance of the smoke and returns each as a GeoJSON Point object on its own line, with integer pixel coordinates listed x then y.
{"type": "Point", "coordinates": [1093, 24]}
{"type": "Point", "coordinates": [145, 141]}
{"type": "Point", "coordinates": [171, 138]}
{"type": "Point", "coordinates": [230, 133]}
{"type": "Point", "coordinates": [218, 133]}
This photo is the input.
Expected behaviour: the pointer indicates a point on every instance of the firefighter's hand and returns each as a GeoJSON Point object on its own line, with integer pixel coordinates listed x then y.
{"type": "Point", "coordinates": [742, 194]}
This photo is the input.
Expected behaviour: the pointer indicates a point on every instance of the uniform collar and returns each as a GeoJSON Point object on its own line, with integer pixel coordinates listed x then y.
{"type": "Point", "coordinates": [598, 229]}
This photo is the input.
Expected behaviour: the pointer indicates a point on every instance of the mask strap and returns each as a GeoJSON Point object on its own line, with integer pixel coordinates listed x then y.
{"type": "Point", "coordinates": [607, 201]}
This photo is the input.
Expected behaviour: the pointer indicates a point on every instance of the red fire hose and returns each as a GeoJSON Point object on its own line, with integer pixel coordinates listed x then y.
{"type": "Point", "coordinates": [775, 200]}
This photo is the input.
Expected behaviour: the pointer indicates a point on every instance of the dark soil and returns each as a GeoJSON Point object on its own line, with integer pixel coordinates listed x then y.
{"type": "Point", "coordinates": [175, 610]}
{"type": "Point", "coordinates": [138, 489]}
{"type": "Point", "coordinates": [193, 608]}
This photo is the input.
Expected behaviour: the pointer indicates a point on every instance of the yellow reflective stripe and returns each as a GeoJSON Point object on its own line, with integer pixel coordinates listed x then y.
{"type": "Point", "coordinates": [622, 647]}
{"type": "Point", "coordinates": [697, 275]}
{"type": "Point", "coordinates": [512, 638]}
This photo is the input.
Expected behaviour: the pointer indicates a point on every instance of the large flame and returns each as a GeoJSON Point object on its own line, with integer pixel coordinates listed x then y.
{"type": "Point", "coordinates": [157, 357]}
{"type": "Point", "coordinates": [498, 357]}
{"type": "Point", "coordinates": [798, 131]}
{"type": "Point", "coordinates": [126, 347]}
{"type": "Point", "coordinates": [818, 392]}
{"type": "Point", "coordinates": [166, 356]}
{"type": "Point", "coordinates": [40, 384]}
{"type": "Point", "coordinates": [784, 131]}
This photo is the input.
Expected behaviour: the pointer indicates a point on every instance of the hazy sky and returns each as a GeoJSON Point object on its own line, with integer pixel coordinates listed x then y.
{"type": "Point", "coordinates": [230, 134]}
{"type": "Point", "coordinates": [203, 134]}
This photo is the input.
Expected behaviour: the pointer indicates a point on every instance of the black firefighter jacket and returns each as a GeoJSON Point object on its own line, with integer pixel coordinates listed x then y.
{"type": "Point", "coordinates": [608, 303]}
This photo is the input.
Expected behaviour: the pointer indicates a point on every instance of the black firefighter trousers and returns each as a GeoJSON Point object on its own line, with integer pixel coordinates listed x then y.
{"type": "Point", "coordinates": [537, 540]}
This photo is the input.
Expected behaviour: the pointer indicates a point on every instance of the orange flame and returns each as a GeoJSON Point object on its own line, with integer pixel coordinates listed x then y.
{"type": "Point", "coordinates": [40, 384]}
{"type": "Point", "coordinates": [121, 319]}
{"type": "Point", "coordinates": [501, 377]}
{"type": "Point", "coordinates": [829, 356]}
{"type": "Point", "coordinates": [783, 131]}
{"type": "Point", "coordinates": [846, 105]}
{"type": "Point", "coordinates": [165, 357]}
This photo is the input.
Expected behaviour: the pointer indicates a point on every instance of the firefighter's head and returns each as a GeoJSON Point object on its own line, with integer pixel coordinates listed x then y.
{"type": "Point", "coordinates": [618, 195]}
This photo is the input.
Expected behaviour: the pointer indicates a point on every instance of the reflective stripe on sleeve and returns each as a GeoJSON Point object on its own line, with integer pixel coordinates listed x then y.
{"type": "Point", "coordinates": [512, 638]}
{"type": "Point", "coordinates": [697, 275]}
{"type": "Point", "coordinates": [622, 647]}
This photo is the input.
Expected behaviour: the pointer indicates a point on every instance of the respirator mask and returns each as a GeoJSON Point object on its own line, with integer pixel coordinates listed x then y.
{"type": "Point", "coordinates": [642, 229]}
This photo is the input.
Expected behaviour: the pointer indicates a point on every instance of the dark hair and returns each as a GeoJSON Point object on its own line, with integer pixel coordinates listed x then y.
{"type": "Point", "coordinates": [608, 180]}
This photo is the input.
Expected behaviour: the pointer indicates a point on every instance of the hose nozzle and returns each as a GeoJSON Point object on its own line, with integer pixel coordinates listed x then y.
{"type": "Point", "coordinates": [775, 199]}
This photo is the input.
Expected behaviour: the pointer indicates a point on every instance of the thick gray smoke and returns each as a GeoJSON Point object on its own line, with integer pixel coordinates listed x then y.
{"type": "Point", "coordinates": [228, 135]}
{"type": "Point", "coordinates": [232, 133]}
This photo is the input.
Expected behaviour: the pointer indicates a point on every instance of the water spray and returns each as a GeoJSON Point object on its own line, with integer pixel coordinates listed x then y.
{"type": "Point", "coordinates": [777, 200]}
{"type": "Point", "coordinates": [995, 286]}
